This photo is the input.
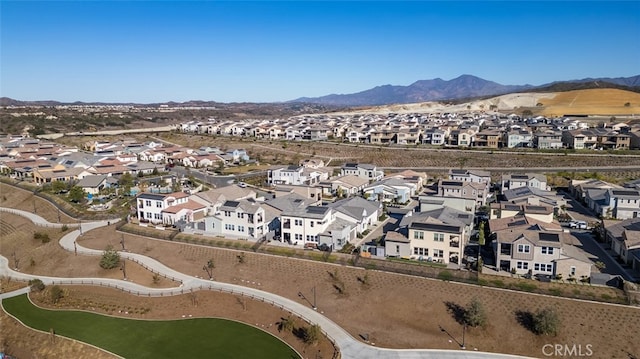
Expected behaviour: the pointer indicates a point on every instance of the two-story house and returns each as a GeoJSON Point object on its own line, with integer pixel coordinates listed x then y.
{"type": "Point", "coordinates": [367, 171]}
{"type": "Point", "coordinates": [535, 180]}
{"type": "Point", "coordinates": [151, 205]}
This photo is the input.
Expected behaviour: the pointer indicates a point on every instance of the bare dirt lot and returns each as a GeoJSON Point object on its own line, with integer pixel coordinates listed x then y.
{"type": "Point", "coordinates": [277, 152]}
{"type": "Point", "coordinates": [400, 311]}
{"type": "Point", "coordinates": [396, 311]}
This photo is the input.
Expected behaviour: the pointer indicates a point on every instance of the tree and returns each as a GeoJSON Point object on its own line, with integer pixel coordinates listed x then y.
{"type": "Point", "coordinates": [474, 314]}
{"type": "Point", "coordinates": [110, 258]}
{"type": "Point", "coordinates": [76, 194]}
{"type": "Point", "coordinates": [546, 321]}
{"type": "Point", "coordinates": [58, 186]}
{"type": "Point", "coordinates": [126, 180]}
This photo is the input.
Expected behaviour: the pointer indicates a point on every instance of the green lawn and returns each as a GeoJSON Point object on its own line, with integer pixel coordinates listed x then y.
{"type": "Point", "coordinates": [190, 338]}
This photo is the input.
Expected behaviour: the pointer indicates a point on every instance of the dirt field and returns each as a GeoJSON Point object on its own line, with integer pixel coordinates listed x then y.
{"type": "Point", "coordinates": [400, 311]}
{"type": "Point", "coordinates": [18, 198]}
{"type": "Point", "coordinates": [274, 153]}
{"type": "Point", "coordinates": [396, 311]}
{"type": "Point", "coordinates": [594, 101]}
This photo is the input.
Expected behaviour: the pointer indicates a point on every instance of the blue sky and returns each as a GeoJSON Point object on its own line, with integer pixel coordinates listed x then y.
{"type": "Point", "coordinates": [265, 51]}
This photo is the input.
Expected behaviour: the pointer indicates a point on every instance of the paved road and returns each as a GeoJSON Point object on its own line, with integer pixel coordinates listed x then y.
{"type": "Point", "coordinates": [349, 346]}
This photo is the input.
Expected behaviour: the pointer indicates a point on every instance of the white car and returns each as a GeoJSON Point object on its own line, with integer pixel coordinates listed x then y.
{"type": "Point", "coordinates": [578, 224]}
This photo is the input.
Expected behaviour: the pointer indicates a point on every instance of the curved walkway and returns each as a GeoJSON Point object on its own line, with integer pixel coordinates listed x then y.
{"type": "Point", "coordinates": [349, 346]}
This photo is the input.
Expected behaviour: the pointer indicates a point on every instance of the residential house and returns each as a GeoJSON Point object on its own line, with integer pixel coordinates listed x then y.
{"type": "Point", "coordinates": [244, 218]}
{"type": "Point", "coordinates": [93, 184]}
{"type": "Point", "coordinates": [488, 139]}
{"type": "Point", "coordinates": [529, 250]}
{"type": "Point", "coordinates": [548, 139]}
{"type": "Point", "coordinates": [366, 171]}
{"type": "Point", "coordinates": [534, 180]}
{"type": "Point", "coordinates": [390, 190]}
{"type": "Point", "coordinates": [518, 138]}
{"type": "Point", "coordinates": [615, 203]}
{"type": "Point", "coordinates": [349, 185]}
{"type": "Point", "coordinates": [434, 136]}
{"type": "Point", "coordinates": [150, 206]}
{"type": "Point", "coordinates": [624, 237]}
{"type": "Point", "coordinates": [462, 189]}
{"type": "Point", "coordinates": [357, 209]}
{"type": "Point", "coordinates": [316, 225]}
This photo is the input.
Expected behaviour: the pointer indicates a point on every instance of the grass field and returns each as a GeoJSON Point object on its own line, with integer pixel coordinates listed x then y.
{"type": "Point", "coordinates": [191, 338]}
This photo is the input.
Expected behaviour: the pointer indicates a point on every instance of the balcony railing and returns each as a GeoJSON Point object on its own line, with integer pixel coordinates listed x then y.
{"type": "Point", "coordinates": [455, 244]}
{"type": "Point", "coordinates": [286, 225]}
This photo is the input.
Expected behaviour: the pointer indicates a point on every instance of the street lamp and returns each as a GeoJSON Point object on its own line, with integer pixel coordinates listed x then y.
{"type": "Point", "coordinates": [122, 241]}
{"type": "Point", "coordinates": [464, 329]}
{"type": "Point", "coordinates": [315, 307]}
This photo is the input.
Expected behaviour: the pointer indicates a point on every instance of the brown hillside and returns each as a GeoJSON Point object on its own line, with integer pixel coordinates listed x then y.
{"type": "Point", "coordinates": [592, 102]}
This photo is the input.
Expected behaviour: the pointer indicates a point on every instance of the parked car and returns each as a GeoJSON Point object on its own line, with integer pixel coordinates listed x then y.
{"type": "Point", "coordinates": [578, 224]}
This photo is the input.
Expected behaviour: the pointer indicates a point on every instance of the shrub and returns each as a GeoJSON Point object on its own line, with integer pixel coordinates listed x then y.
{"type": "Point", "coordinates": [64, 228]}
{"type": "Point", "coordinates": [110, 258]}
{"type": "Point", "coordinates": [474, 314]}
{"type": "Point", "coordinates": [546, 321]}
{"type": "Point", "coordinates": [445, 275]}
{"type": "Point", "coordinates": [36, 285]}
{"type": "Point", "coordinates": [44, 237]}
{"type": "Point", "coordinates": [56, 294]}
{"type": "Point", "coordinates": [527, 287]}
{"type": "Point", "coordinates": [311, 334]}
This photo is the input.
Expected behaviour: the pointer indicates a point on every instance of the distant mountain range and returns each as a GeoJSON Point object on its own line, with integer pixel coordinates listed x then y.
{"type": "Point", "coordinates": [459, 89]}
{"type": "Point", "coordinates": [463, 87]}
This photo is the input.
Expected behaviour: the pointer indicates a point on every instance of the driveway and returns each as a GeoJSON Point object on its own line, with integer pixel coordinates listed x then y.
{"type": "Point", "coordinates": [595, 253]}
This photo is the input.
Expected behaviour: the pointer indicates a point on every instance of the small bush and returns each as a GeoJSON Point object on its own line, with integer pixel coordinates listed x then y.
{"type": "Point", "coordinates": [527, 287]}
{"type": "Point", "coordinates": [36, 285]}
{"type": "Point", "coordinates": [64, 228]}
{"type": "Point", "coordinates": [474, 314]}
{"type": "Point", "coordinates": [498, 283]}
{"type": "Point", "coordinates": [445, 275]}
{"type": "Point", "coordinates": [44, 237]}
{"type": "Point", "coordinates": [110, 258]}
{"type": "Point", "coordinates": [56, 294]}
{"type": "Point", "coordinates": [546, 321]}
{"type": "Point", "coordinates": [312, 334]}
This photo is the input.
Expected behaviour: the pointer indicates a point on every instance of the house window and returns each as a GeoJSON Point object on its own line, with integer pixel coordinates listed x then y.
{"type": "Point", "coordinates": [149, 215]}
{"type": "Point", "coordinates": [148, 202]}
{"type": "Point", "coordinates": [158, 204]}
{"type": "Point", "coordinates": [547, 250]}
{"type": "Point", "coordinates": [227, 213]}
{"type": "Point", "coordinates": [572, 271]}
{"type": "Point", "coordinates": [522, 265]}
{"type": "Point", "coordinates": [240, 215]}
{"type": "Point", "coordinates": [438, 237]}
{"type": "Point", "coordinates": [421, 251]}
{"type": "Point", "coordinates": [240, 228]}
{"type": "Point", "coordinates": [438, 253]}
{"type": "Point", "coordinates": [311, 223]}
{"type": "Point", "coordinates": [524, 248]}
{"type": "Point", "coordinates": [418, 235]}
{"type": "Point", "coordinates": [549, 268]}
{"type": "Point", "coordinates": [398, 248]}
{"type": "Point", "coordinates": [298, 237]}
{"type": "Point", "coordinates": [298, 222]}
{"type": "Point", "coordinates": [157, 216]}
